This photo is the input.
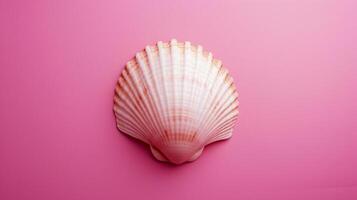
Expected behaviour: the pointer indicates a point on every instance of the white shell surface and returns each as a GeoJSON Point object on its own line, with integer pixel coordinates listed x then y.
{"type": "Point", "coordinates": [176, 98]}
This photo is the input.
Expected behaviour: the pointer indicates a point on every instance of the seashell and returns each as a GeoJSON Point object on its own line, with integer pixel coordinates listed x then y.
{"type": "Point", "coordinates": [177, 98]}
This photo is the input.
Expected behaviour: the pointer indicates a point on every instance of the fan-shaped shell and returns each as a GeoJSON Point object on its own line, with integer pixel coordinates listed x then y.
{"type": "Point", "coordinates": [176, 98]}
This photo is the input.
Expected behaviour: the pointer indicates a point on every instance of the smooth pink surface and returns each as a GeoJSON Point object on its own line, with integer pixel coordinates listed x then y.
{"type": "Point", "coordinates": [294, 63]}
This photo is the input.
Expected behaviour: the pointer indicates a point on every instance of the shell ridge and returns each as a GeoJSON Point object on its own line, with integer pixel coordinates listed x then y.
{"type": "Point", "coordinates": [155, 89]}
{"type": "Point", "coordinates": [212, 103]}
{"type": "Point", "coordinates": [220, 128]}
{"type": "Point", "coordinates": [173, 53]}
{"type": "Point", "coordinates": [223, 108]}
{"type": "Point", "coordinates": [217, 106]}
{"type": "Point", "coordinates": [224, 136]}
{"type": "Point", "coordinates": [166, 105]}
{"type": "Point", "coordinates": [183, 122]}
{"type": "Point", "coordinates": [191, 64]}
{"type": "Point", "coordinates": [152, 111]}
{"type": "Point", "coordinates": [223, 91]}
{"type": "Point", "coordinates": [227, 106]}
{"type": "Point", "coordinates": [133, 133]}
{"type": "Point", "coordinates": [214, 90]}
{"type": "Point", "coordinates": [206, 94]}
{"type": "Point", "coordinates": [195, 77]}
{"type": "Point", "coordinates": [127, 90]}
{"type": "Point", "coordinates": [141, 106]}
{"type": "Point", "coordinates": [126, 117]}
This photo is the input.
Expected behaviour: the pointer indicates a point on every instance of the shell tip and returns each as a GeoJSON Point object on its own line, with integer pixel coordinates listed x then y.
{"type": "Point", "coordinates": [199, 48]}
{"type": "Point", "coordinates": [137, 55]}
{"type": "Point", "coordinates": [173, 41]}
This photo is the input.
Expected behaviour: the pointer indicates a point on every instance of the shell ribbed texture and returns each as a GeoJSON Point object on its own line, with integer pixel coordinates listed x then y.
{"type": "Point", "coordinates": [176, 98]}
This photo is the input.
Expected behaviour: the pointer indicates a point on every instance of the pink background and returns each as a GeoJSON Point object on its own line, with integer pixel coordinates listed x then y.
{"type": "Point", "coordinates": [294, 63]}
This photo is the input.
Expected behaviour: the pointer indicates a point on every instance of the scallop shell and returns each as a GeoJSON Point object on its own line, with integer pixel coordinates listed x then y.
{"type": "Point", "coordinates": [176, 98]}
